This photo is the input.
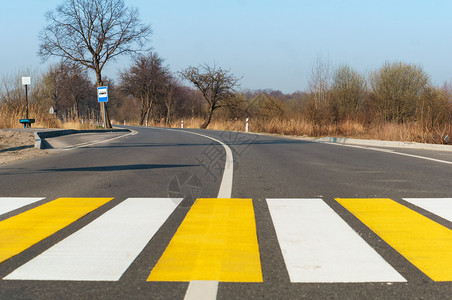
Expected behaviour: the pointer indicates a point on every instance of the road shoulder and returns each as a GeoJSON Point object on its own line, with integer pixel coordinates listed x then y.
{"type": "Point", "coordinates": [18, 145]}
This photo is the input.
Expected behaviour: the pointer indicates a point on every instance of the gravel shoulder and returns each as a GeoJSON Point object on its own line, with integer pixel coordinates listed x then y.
{"type": "Point", "coordinates": [17, 145]}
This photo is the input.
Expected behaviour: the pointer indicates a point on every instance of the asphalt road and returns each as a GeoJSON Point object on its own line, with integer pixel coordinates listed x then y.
{"type": "Point", "coordinates": [155, 163]}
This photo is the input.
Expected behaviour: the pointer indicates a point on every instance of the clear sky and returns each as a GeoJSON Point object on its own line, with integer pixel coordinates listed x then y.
{"type": "Point", "coordinates": [272, 44]}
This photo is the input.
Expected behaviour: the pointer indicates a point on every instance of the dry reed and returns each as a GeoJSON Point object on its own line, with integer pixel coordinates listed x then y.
{"type": "Point", "coordinates": [11, 114]}
{"type": "Point", "coordinates": [407, 132]}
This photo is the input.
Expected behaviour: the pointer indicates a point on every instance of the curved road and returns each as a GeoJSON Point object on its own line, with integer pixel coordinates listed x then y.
{"type": "Point", "coordinates": [172, 164]}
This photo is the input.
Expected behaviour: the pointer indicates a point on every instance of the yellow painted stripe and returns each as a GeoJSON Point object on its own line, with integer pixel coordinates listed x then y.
{"type": "Point", "coordinates": [216, 241]}
{"type": "Point", "coordinates": [24, 230]}
{"type": "Point", "coordinates": [425, 243]}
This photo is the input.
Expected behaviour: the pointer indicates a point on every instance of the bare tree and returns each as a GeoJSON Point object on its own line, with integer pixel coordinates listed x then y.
{"type": "Point", "coordinates": [319, 109]}
{"type": "Point", "coordinates": [349, 89]}
{"type": "Point", "coordinates": [67, 85]}
{"type": "Point", "coordinates": [189, 103]}
{"type": "Point", "coordinates": [146, 80]}
{"type": "Point", "coordinates": [171, 90]}
{"type": "Point", "coordinates": [54, 80]}
{"type": "Point", "coordinates": [320, 82]}
{"type": "Point", "coordinates": [91, 33]}
{"type": "Point", "coordinates": [397, 88]}
{"type": "Point", "coordinates": [236, 107]}
{"type": "Point", "coordinates": [79, 88]}
{"type": "Point", "coordinates": [215, 84]}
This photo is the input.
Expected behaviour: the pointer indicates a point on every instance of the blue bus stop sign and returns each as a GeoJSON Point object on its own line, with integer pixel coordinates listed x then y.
{"type": "Point", "coordinates": [102, 94]}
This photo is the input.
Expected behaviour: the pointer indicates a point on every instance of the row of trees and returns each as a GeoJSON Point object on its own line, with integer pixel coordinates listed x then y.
{"type": "Point", "coordinates": [397, 92]}
{"type": "Point", "coordinates": [87, 34]}
{"type": "Point", "coordinates": [64, 87]}
{"type": "Point", "coordinates": [148, 91]}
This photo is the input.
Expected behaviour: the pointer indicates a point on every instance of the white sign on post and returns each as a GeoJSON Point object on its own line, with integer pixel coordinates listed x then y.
{"type": "Point", "coordinates": [26, 80]}
{"type": "Point", "coordinates": [102, 94]}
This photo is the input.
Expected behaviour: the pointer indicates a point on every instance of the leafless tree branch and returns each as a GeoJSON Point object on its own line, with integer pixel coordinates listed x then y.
{"type": "Point", "coordinates": [93, 32]}
{"type": "Point", "coordinates": [216, 85]}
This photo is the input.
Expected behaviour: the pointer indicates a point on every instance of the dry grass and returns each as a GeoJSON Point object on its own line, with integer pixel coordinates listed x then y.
{"type": "Point", "coordinates": [10, 116]}
{"type": "Point", "coordinates": [78, 125]}
{"type": "Point", "coordinates": [411, 132]}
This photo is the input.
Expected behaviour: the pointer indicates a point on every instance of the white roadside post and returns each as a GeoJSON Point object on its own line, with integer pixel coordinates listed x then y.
{"type": "Point", "coordinates": [182, 124]}
{"type": "Point", "coordinates": [246, 127]}
{"type": "Point", "coordinates": [102, 97]}
{"type": "Point", "coordinates": [146, 123]}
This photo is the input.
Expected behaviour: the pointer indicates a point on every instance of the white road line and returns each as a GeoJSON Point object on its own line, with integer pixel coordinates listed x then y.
{"type": "Point", "coordinates": [201, 290]}
{"type": "Point", "coordinates": [13, 203]}
{"type": "Point", "coordinates": [439, 206]}
{"type": "Point", "coordinates": [226, 182]}
{"type": "Point", "coordinates": [318, 246]}
{"type": "Point", "coordinates": [392, 152]}
{"type": "Point", "coordinates": [87, 144]}
{"type": "Point", "coordinates": [105, 248]}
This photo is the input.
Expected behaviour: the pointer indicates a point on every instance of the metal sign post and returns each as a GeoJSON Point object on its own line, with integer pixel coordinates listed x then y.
{"type": "Point", "coordinates": [105, 115]}
{"type": "Point", "coordinates": [102, 97]}
{"type": "Point", "coordinates": [26, 81]}
{"type": "Point", "coordinates": [26, 99]}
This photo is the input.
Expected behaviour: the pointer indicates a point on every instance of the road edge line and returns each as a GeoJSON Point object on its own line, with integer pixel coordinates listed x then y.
{"type": "Point", "coordinates": [226, 182]}
{"type": "Point", "coordinates": [83, 145]}
{"type": "Point", "coordinates": [391, 152]}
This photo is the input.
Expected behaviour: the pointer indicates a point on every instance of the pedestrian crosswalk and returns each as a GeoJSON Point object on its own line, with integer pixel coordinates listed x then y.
{"type": "Point", "coordinates": [318, 246]}
{"type": "Point", "coordinates": [24, 230]}
{"type": "Point", "coordinates": [425, 243]}
{"type": "Point", "coordinates": [218, 241]}
{"type": "Point", "coordinates": [103, 249]}
{"type": "Point", "coordinates": [9, 204]}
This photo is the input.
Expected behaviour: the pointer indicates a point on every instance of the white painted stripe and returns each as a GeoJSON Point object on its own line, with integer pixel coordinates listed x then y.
{"type": "Point", "coordinates": [13, 203]}
{"type": "Point", "coordinates": [392, 152]}
{"type": "Point", "coordinates": [105, 248]}
{"type": "Point", "coordinates": [201, 290]}
{"type": "Point", "coordinates": [87, 144]}
{"type": "Point", "coordinates": [318, 246]}
{"type": "Point", "coordinates": [439, 206]}
{"type": "Point", "coordinates": [226, 182]}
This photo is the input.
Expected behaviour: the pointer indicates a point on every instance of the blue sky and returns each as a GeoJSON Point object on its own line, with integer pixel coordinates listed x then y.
{"type": "Point", "coordinates": [271, 44]}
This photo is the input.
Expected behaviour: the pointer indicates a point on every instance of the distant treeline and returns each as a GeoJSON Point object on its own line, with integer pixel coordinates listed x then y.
{"type": "Point", "coordinates": [148, 92]}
